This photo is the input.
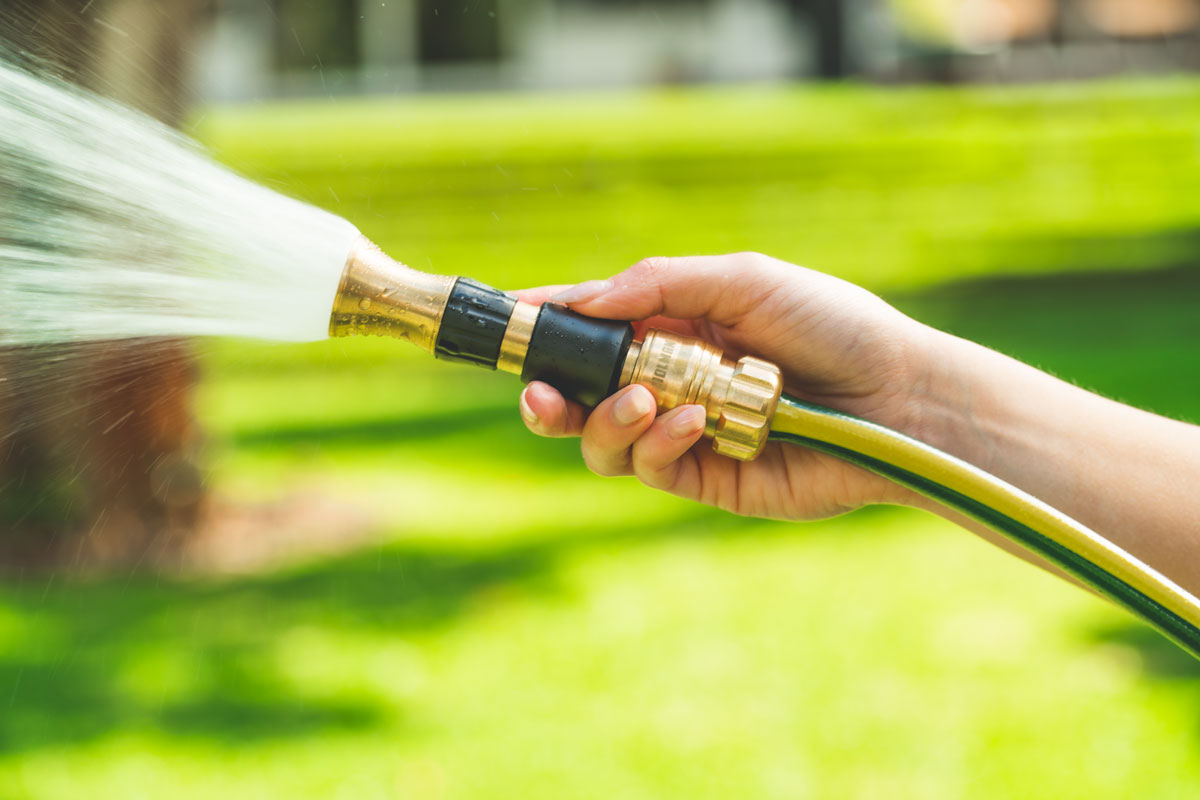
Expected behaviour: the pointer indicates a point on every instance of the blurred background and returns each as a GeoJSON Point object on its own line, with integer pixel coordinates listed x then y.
{"type": "Point", "coordinates": [345, 570]}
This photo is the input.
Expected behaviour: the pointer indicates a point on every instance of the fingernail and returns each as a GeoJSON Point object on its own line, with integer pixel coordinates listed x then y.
{"type": "Point", "coordinates": [632, 406]}
{"type": "Point", "coordinates": [531, 419]}
{"type": "Point", "coordinates": [581, 293]}
{"type": "Point", "coordinates": [686, 423]}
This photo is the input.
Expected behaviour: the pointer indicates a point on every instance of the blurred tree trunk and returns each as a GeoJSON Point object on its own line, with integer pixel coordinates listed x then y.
{"type": "Point", "coordinates": [98, 463]}
{"type": "Point", "coordinates": [829, 21]}
{"type": "Point", "coordinates": [827, 18]}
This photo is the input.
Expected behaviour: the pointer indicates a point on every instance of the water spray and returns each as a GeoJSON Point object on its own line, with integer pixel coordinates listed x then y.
{"type": "Point", "coordinates": [587, 359]}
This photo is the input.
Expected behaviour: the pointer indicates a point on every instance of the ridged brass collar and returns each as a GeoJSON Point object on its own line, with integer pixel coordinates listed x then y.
{"type": "Point", "coordinates": [739, 398]}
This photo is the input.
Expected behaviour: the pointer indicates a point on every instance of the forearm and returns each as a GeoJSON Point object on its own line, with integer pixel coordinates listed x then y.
{"type": "Point", "coordinates": [1129, 475]}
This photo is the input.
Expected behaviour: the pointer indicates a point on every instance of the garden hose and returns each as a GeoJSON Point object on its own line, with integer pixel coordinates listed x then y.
{"type": "Point", "coordinates": [587, 359]}
{"type": "Point", "coordinates": [1013, 513]}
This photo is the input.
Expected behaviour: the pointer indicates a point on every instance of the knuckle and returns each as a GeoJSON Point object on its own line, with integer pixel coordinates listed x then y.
{"type": "Point", "coordinates": [662, 479]}
{"type": "Point", "coordinates": [647, 479]}
{"type": "Point", "coordinates": [648, 269]}
{"type": "Point", "coordinates": [754, 260]}
{"type": "Point", "coordinates": [603, 464]}
{"type": "Point", "coordinates": [649, 472]}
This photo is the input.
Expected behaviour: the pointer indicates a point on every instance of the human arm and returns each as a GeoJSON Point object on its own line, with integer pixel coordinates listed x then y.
{"type": "Point", "coordinates": [1121, 471]}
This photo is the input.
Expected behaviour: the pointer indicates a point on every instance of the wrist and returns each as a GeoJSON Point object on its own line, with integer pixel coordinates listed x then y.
{"type": "Point", "coordinates": [949, 396]}
{"type": "Point", "coordinates": [912, 400]}
{"type": "Point", "coordinates": [941, 407]}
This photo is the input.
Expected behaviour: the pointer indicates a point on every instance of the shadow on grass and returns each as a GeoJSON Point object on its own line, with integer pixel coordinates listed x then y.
{"type": "Point", "coordinates": [1160, 658]}
{"type": "Point", "coordinates": [1132, 336]}
{"type": "Point", "coordinates": [484, 432]}
{"type": "Point", "coordinates": [79, 698]}
{"type": "Point", "coordinates": [79, 670]}
{"type": "Point", "coordinates": [1067, 311]}
{"type": "Point", "coordinates": [359, 433]}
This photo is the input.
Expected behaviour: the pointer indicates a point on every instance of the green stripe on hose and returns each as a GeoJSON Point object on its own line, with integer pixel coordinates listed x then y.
{"type": "Point", "coordinates": [1174, 627]}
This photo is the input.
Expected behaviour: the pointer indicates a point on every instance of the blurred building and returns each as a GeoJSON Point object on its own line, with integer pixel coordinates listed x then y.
{"type": "Point", "coordinates": [305, 47]}
{"type": "Point", "coordinates": [266, 48]}
{"type": "Point", "coordinates": [1015, 40]}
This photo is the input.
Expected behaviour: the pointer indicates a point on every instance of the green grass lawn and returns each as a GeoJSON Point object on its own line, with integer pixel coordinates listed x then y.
{"type": "Point", "coordinates": [892, 188]}
{"type": "Point", "coordinates": [516, 627]}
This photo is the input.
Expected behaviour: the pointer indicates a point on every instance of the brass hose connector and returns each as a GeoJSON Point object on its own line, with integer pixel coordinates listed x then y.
{"type": "Point", "coordinates": [739, 398]}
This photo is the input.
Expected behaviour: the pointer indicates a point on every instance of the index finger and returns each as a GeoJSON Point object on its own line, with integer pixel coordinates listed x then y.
{"type": "Point", "coordinates": [722, 289]}
{"type": "Point", "coordinates": [540, 294]}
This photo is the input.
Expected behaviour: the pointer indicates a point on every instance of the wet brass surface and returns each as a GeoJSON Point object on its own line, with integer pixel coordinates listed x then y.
{"type": "Point", "coordinates": [379, 296]}
{"type": "Point", "coordinates": [739, 398]}
{"type": "Point", "coordinates": [631, 359]}
{"type": "Point", "coordinates": [515, 344]}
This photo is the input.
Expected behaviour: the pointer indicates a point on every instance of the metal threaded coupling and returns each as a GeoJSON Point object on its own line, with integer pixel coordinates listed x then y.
{"type": "Point", "coordinates": [739, 398]}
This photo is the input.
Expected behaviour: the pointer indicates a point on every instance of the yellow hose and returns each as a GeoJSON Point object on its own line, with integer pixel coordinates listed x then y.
{"type": "Point", "coordinates": [1010, 511]}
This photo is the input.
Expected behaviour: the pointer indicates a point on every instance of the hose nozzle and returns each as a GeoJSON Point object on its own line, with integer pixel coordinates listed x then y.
{"type": "Point", "coordinates": [379, 296]}
{"type": "Point", "coordinates": [585, 358]}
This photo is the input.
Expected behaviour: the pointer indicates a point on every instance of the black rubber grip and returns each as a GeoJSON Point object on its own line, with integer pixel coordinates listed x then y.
{"type": "Point", "coordinates": [473, 324]}
{"type": "Point", "coordinates": [580, 356]}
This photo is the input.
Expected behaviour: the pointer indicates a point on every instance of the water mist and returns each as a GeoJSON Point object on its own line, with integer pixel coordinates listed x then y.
{"type": "Point", "coordinates": [113, 225]}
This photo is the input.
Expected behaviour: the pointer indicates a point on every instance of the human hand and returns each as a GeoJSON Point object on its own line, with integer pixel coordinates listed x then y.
{"type": "Point", "coordinates": [837, 345]}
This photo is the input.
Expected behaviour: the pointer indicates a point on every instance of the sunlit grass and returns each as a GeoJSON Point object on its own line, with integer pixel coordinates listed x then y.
{"type": "Point", "coordinates": [516, 627]}
{"type": "Point", "coordinates": [873, 654]}
{"type": "Point", "coordinates": [891, 188]}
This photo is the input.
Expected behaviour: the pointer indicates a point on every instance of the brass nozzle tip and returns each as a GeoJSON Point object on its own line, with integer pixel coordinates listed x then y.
{"type": "Point", "coordinates": [382, 297]}
{"type": "Point", "coordinates": [739, 398]}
